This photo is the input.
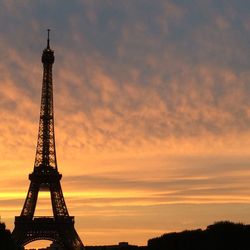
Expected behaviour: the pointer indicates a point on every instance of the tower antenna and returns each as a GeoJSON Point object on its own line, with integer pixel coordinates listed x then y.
{"type": "Point", "coordinates": [48, 47]}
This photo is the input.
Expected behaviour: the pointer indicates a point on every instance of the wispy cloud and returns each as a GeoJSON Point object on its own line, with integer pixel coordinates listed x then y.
{"type": "Point", "coordinates": [151, 108]}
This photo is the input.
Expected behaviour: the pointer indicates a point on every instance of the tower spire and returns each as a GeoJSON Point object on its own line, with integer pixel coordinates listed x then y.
{"type": "Point", "coordinates": [48, 40]}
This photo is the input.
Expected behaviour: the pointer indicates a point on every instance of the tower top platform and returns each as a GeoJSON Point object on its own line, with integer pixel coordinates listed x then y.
{"type": "Point", "coordinates": [48, 54]}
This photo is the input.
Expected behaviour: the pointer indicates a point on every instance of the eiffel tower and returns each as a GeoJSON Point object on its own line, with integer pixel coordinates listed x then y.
{"type": "Point", "coordinates": [58, 228]}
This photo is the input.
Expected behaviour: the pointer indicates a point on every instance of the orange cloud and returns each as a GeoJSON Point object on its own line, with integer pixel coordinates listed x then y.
{"type": "Point", "coordinates": [151, 114]}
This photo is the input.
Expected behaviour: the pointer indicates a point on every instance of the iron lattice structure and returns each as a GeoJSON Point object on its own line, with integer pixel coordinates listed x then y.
{"type": "Point", "coordinates": [45, 177]}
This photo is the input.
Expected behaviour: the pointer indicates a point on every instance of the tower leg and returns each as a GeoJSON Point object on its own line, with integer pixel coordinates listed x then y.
{"type": "Point", "coordinates": [31, 200]}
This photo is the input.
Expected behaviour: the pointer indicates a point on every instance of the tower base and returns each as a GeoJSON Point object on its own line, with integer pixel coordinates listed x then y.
{"type": "Point", "coordinates": [59, 230]}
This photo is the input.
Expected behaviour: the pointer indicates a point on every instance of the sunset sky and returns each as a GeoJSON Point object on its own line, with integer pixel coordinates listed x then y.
{"type": "Point", "coordinates": [152, 112]}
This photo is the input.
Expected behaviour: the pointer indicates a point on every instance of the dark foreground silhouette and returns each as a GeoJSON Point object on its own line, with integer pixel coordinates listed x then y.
{"type": "Point", "coordinates": [6, 242]}
{"type": "Point", "coordinates": [219, 236]}
{"type": "Point", "coordinates": [120, 246]}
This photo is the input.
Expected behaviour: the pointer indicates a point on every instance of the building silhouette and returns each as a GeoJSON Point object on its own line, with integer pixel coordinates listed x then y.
{"type": "Point", "coordinates": [58, 228]}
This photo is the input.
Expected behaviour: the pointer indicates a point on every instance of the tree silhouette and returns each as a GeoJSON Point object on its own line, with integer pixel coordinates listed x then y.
{"type": "Point", "coordinates": [6, 241]}
{"type": "Point", "coordinates": [222, 235]}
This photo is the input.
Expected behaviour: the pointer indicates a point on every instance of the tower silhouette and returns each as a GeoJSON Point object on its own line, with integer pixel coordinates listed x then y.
{"type": "Point", "coordinates": [45, 177]}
